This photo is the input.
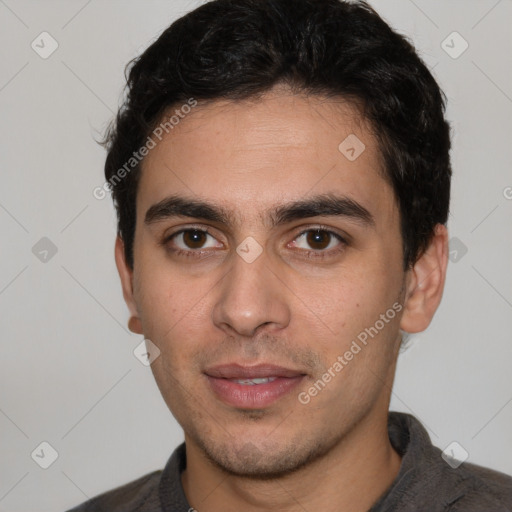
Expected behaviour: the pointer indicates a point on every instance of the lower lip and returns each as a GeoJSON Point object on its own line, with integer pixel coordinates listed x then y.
{"type": "Point", "coordinates": [253, 396]}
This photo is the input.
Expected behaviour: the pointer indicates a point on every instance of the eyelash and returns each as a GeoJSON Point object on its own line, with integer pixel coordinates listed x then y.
{"type": "Point", "coordinates": [311, 254]}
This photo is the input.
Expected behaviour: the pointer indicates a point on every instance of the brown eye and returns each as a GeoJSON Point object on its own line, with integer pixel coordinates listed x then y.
{"type": "Point", "coordinates": [194, 239]}
{"type": "Point", "coordinates": [191, 242]}
{"type": "Point", "coordinates": [318, 239]}
{"type": "Point", "coordinates": [320, 242]}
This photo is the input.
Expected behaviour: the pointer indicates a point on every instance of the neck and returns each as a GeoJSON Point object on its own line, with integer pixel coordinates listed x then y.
{"type": "Point", "coordinates": [351, 477]}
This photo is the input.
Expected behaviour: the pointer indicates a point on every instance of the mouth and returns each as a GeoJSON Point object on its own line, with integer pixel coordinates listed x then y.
{"type": "Point", "coordinates": [252, 387]}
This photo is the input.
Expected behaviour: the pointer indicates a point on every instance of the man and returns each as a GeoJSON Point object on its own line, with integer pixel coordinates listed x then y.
{"type": "Point", "coordinates": [281, 175]}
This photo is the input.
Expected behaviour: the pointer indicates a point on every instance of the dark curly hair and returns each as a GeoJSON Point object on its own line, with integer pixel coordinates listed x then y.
{"type": "Point", "coordinates": [239, 49]}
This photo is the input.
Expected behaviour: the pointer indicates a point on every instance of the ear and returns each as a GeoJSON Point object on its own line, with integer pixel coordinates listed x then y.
{"type": "Point", "coordinates": [126, 275]}
{"type": "Point", "coordinates": [425, 283]}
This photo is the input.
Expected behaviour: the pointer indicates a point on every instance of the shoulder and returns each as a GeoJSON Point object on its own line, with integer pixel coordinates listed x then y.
{"type": "Point", "coordinates": [139, 495]}
{"type": "Point", "coordinates": [479, 489]}
{"type": "Point", "coordinates": [427, 481]}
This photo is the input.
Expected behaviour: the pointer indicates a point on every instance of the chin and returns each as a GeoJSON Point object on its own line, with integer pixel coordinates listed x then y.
{"type": "Point", "coordinates": [249, 461]}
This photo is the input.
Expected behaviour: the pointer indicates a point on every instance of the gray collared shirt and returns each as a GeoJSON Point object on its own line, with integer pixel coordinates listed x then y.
{"type": "Point", "coordinates": [425, 482]}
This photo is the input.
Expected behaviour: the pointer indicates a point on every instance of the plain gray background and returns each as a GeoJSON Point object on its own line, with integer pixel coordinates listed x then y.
{"type": "Point", "coordinates": [68, 375]}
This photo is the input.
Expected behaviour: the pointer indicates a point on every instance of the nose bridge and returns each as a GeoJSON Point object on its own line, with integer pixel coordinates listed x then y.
{"type": "Point", "coordinates": [250, 294]}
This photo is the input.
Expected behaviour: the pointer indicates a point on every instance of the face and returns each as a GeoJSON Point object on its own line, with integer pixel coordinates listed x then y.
{"type": "Point", "coordinates": [297, 257]}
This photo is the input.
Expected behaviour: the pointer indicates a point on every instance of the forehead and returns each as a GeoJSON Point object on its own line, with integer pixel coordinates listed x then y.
{"type": "Point", "coordinates": [252, 155]}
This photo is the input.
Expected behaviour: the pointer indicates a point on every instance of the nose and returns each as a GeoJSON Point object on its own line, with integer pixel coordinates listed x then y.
{"type": "Point", "coordinates": [251, 295]}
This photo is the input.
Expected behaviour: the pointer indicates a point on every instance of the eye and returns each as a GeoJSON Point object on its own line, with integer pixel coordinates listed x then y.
{"type": "Point", "coordinates": [319, 242]}
{"type": "Point", "coordinates": [190, 241]}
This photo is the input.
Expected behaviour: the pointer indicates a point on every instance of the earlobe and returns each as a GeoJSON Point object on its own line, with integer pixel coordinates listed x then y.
{"type": "Point", "coordinates": [126, 276]}
{"type": "Point", "coordinates": [135, 325]}
{"type": "Point", "coordinates": [426, 283]}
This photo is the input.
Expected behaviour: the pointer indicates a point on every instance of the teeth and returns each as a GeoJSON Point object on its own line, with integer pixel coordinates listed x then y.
{"type": "Point", "coordinates": [252, 382]}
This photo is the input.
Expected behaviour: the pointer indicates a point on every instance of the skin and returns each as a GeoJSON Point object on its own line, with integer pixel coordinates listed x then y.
{"type": "Point", "coordinates": [284, 308]}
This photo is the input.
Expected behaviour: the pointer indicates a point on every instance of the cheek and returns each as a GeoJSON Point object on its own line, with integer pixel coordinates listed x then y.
{"type": "Point", "coordinates": [162, 297]}
{"type": "Point", "coordinates": [174, 317]}
{"type": "Point", "coordinates": [343, 303]}
{"type": "Point", "coordinates": [350, 310]}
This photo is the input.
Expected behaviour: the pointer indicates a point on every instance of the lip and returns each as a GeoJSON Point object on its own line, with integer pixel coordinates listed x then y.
{"type": "Point", "coordinates": [257, 396]}
{"type": "Point", "coordinates": [238, 371]}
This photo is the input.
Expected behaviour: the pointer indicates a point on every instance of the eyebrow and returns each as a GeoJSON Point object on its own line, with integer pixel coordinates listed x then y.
{"type": "Point", "coordinates": [321, 205]}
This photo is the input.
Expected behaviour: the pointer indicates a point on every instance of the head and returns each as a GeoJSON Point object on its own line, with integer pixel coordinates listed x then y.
{"type": "Point", "coordinates": [281, 177]}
